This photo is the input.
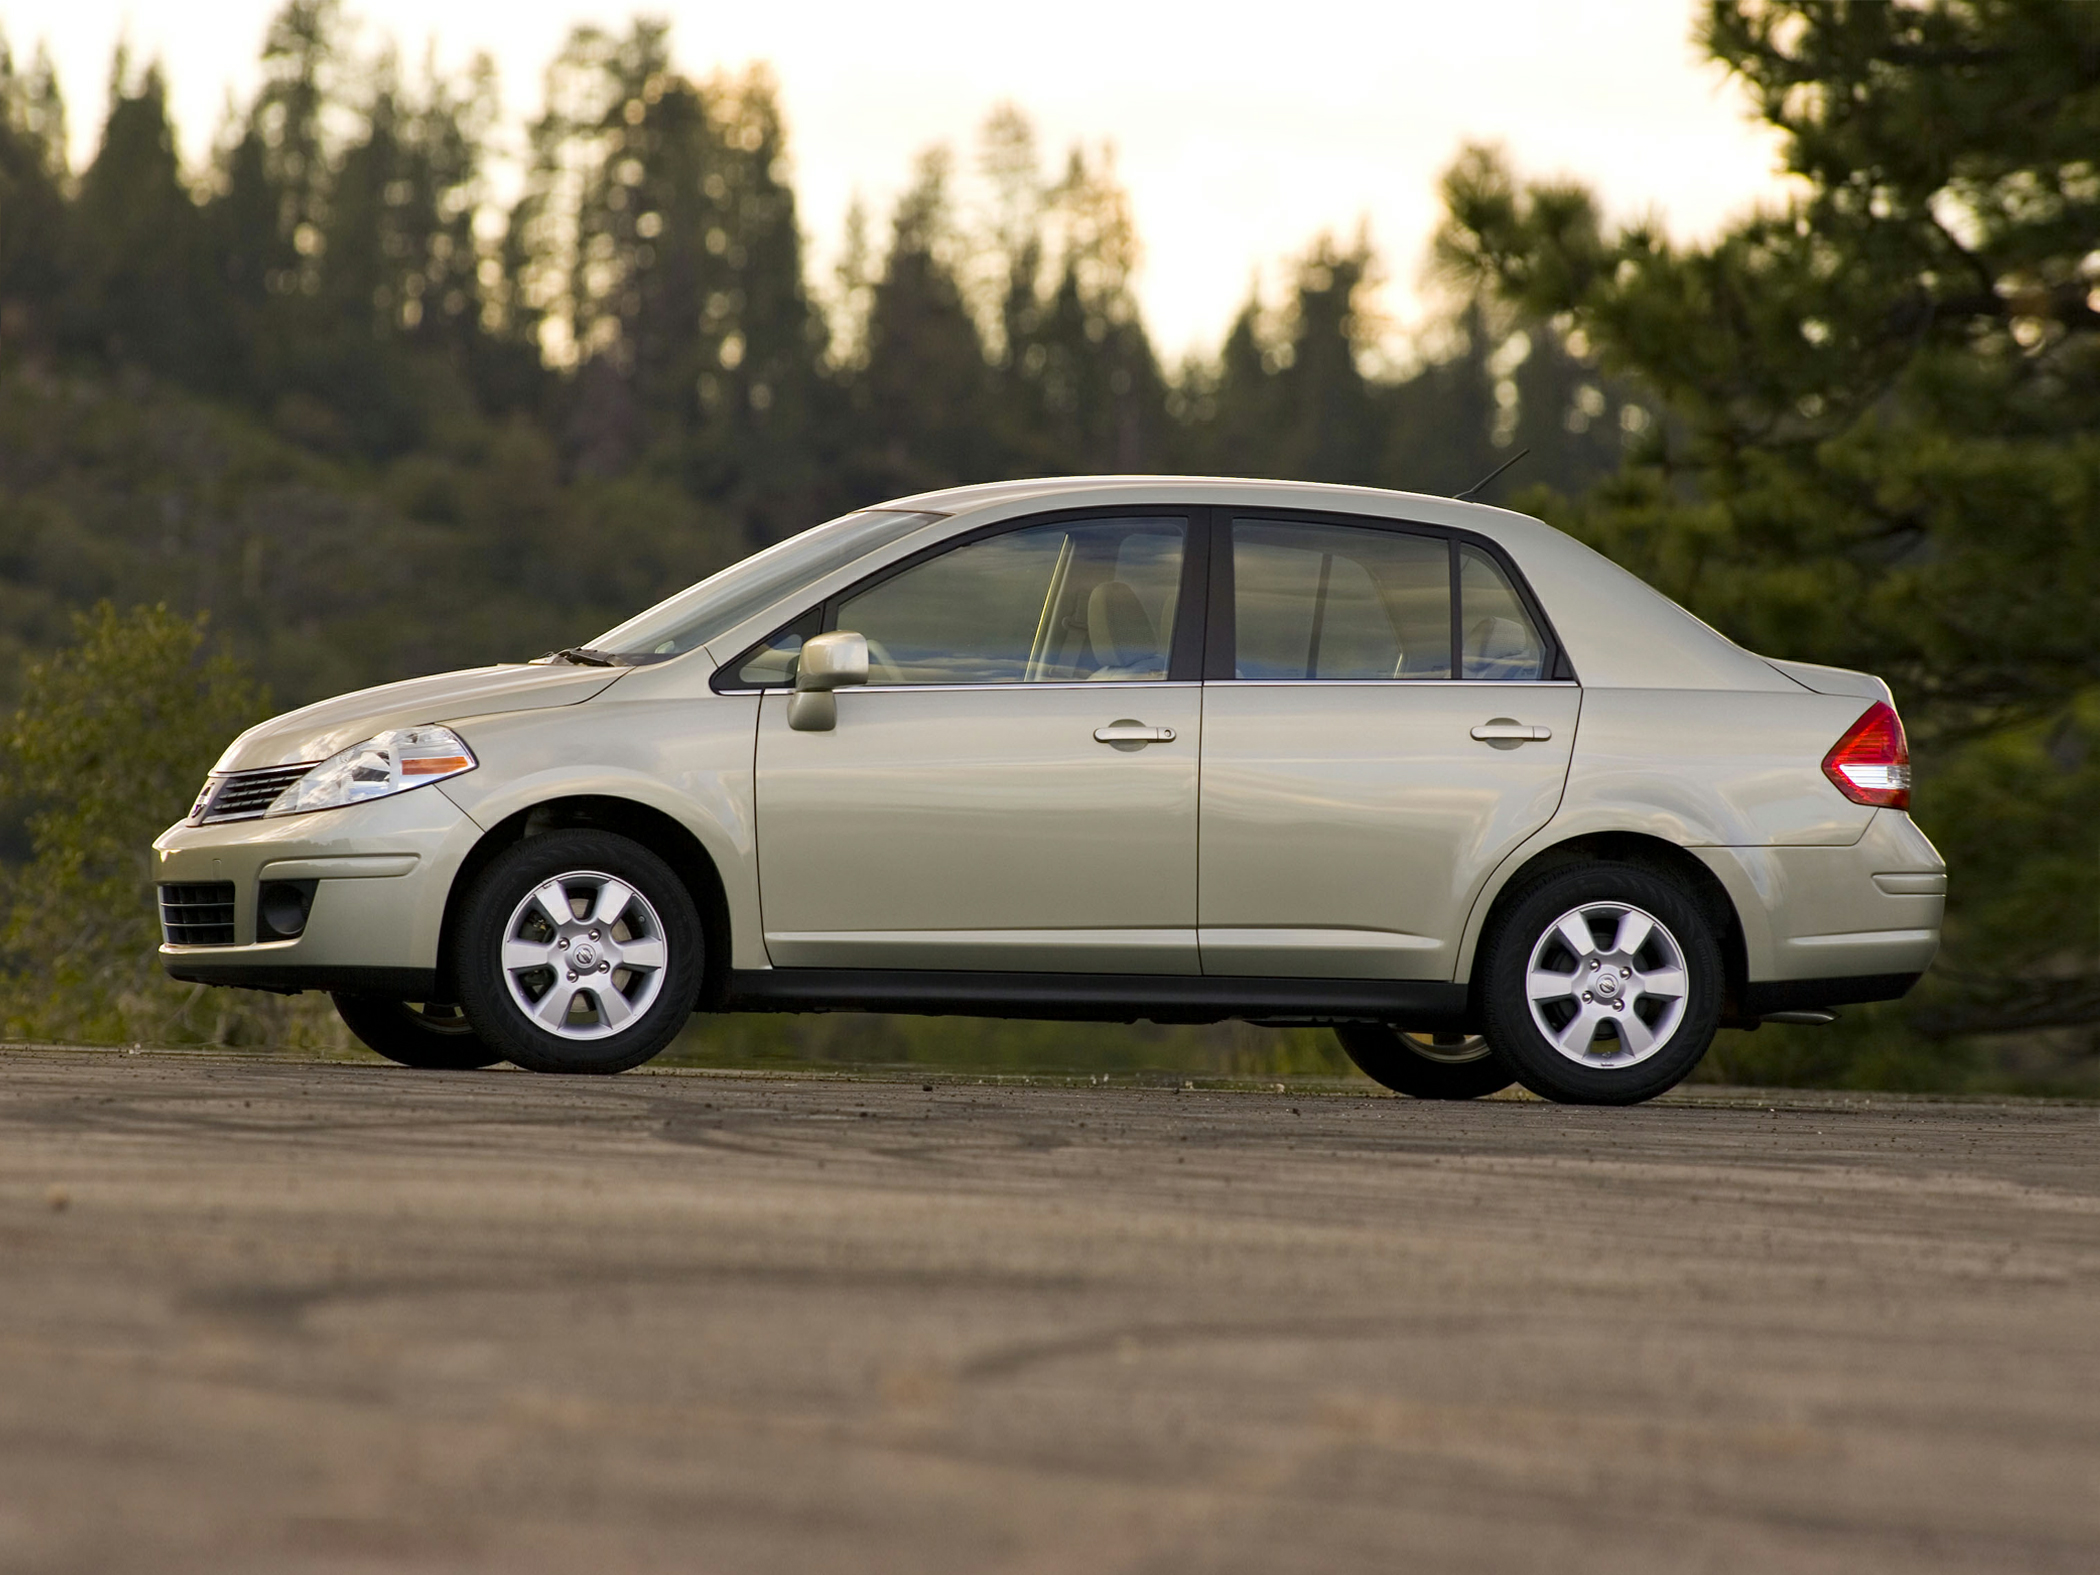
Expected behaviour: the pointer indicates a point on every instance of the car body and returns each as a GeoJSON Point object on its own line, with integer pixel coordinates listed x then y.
{"type": "Point", "coordinates": [1231, 766]}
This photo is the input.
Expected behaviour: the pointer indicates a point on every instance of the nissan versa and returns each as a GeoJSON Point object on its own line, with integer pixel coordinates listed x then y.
{"type": "Point", "coordinates": [1114, 748]}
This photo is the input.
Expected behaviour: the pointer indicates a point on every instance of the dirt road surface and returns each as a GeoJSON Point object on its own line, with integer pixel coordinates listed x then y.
{"type": "Point", "coordinates": [281, 1316]}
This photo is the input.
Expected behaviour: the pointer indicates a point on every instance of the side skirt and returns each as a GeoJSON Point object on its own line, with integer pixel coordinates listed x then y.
{"type": "Point", "coordinates": [1107, 998]}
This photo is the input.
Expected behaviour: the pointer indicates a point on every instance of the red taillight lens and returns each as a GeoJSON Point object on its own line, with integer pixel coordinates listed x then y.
{"type": "Point", "coordinates": [1871, 763]}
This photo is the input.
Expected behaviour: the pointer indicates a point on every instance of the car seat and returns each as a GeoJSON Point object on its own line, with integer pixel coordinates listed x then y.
{"type": "Point", "coordinates": [1501, 648]}
{"type": "Point", "coordinates": [1118, 628]}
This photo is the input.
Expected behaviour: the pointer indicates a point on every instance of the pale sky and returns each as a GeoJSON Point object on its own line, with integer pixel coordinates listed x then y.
{"type": "Point", "coordinates": [1241, 130]}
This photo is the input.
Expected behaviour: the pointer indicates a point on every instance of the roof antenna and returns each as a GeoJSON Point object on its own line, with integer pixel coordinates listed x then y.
{"type": "Point", "coordinates": [1471, 492]}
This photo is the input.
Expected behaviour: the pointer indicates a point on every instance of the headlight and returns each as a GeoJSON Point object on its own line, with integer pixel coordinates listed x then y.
{"type": "Point", "coordinates": [391, 762]}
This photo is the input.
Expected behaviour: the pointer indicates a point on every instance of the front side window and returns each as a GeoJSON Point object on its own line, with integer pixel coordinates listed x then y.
{"type": "Point", "coordinates": [1339, 602]}
{"type": "Point", "coordinates": [771, 663]}
{"type": "Point", "coordinates": [1071, 601]}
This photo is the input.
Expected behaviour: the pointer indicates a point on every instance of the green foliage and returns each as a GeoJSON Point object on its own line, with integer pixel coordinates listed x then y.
{"type": "Point", "coordinates": [307, 386]}
{"type": "Point", "coordinates": [109, 735]}
{"type": "Point", "coordinates": [1882, 445]}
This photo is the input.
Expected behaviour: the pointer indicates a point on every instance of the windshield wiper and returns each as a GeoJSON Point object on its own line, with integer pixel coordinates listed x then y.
{"type": "Point", "coordinates": [585, 656]}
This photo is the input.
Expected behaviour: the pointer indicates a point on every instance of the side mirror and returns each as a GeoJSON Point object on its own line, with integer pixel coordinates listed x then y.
{"type": "Point", "coordinates": [827, 662]}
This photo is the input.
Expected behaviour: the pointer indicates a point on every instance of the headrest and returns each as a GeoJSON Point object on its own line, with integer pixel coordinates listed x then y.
{"type": "Point", "coordinates": [1500, 648]}
{"type": "Point", "coordinates": [1117, 627]}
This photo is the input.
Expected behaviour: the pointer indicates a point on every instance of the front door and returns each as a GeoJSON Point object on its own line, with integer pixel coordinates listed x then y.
{"type": "Point", "coordinates": [1386, 731]}
{"type": "Point", "coordinates": [1015, 787]}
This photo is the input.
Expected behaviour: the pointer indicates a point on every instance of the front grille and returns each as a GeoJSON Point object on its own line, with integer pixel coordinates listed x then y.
{"type": "Point", "coordinates": [242, 795]}
{"type": "Point", "coordinates": [198, 913]}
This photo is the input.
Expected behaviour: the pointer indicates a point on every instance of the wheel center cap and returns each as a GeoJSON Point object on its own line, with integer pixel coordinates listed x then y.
{"type": "Point", "coordinates": [1607, 985]}
{"type": "Point", "coordinates": [586, 955]}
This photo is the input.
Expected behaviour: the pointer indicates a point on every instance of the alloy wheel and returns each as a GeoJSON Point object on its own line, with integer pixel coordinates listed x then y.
{"type": "Point", "coordinates": [1607, 985]}
{"type": "Point", "coordinates": [1447, 1049]}
{"type": "Point", "coordinates": [584, 955]}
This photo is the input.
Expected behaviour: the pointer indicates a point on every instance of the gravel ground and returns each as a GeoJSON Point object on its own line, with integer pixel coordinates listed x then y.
{"type": "Point", "coordinates": [270, 1315]}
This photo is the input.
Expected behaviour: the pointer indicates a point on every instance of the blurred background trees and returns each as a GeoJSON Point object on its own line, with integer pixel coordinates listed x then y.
{"type": "Point", "coordinates": [316, 384]}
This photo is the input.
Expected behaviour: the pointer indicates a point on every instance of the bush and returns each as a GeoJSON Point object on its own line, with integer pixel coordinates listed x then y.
{"type": "Point", "coordinates": [110, 743]}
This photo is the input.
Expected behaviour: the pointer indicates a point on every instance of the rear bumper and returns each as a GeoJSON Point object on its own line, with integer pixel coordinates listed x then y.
{"type": "Point", "coordinates": [1817, 919]}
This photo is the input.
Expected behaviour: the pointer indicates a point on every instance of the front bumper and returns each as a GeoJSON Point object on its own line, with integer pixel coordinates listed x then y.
{"type": "Point", "coordinates": [382, 872]}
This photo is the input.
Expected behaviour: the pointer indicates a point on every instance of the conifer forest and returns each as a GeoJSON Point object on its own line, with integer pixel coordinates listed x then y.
{"type": "Point", "coordinates": [328, 404]}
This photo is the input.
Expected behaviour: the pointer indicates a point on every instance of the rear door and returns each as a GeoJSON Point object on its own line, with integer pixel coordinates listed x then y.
{"type": "Point", "coordinates": [1382, 725]}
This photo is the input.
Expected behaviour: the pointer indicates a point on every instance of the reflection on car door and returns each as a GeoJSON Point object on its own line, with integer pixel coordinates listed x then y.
{"type": "Point", "coordinates": [1015, 787]}
{"type": "Point", "coordinates": [1385, 733]}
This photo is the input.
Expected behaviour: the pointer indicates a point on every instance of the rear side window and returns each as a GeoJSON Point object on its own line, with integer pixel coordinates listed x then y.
{"type": "Point", "coordinates": [1339, 602]}
{"type": "Point", "coordinates": [1498, 640]}
{"type": "Point", "coordinates": [1336, 602]}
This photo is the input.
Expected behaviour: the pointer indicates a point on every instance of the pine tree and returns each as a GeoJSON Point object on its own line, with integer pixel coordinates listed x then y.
{"type": "Point", "coordinates": [1882, 436]}
{"type": "Point", "coordinates": [920, 401]}
{"type": "Point", "coordinates": [1288, 397]}
{"type": "Point", "coordinates": [136, 292]}
{"type": "Point", "coordinates": [1440, 422]}
{"type": "Point", "coordinates": [32, 199]}
{"type": "Point", "coordinates": [659, 239]}
{"type": "Point", "coordinates": [1082, 383]}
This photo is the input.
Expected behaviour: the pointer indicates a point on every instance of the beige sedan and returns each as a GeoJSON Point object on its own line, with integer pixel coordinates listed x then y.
{"type": "Point", "coordinates": [1102, 748]}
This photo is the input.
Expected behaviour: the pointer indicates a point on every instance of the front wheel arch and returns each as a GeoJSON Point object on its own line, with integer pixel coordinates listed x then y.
{"type": "Point", "coordinates": [652, 828]}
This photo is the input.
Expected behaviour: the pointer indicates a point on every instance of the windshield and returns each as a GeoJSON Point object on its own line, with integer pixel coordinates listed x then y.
{"type": "Point", "coordinates": [720, 602]}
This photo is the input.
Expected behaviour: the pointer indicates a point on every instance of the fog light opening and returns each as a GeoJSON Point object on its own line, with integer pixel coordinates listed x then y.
{"type": "Point", "coordinates": [281, 908]}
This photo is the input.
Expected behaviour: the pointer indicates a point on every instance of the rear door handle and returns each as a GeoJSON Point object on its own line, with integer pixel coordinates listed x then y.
{"type": "Point", "coordinates": [1127, 733]}
{"type": "Point", "coordinates": [1507, 730]}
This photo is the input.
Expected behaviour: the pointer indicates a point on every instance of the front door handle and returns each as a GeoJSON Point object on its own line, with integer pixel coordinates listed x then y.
{"type": "Point", "coordinates": [1131, 734]}
{"type": "Point", "coordinates": [1507, 730]}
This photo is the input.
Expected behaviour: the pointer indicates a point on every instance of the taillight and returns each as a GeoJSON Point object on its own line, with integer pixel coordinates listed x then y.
{"type": "Point", "coordinates": [1871, 763]}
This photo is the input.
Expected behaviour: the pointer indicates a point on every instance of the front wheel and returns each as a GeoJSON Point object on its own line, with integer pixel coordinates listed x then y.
{"type": "Point", "coordinates": [1428, 1066]}
{"type": "Point", "coordinates": [430, 1035]}
{"type": "Point", "coordinates": [1602, 985]}
{"type": "Point", "coordinates": [578, 951]}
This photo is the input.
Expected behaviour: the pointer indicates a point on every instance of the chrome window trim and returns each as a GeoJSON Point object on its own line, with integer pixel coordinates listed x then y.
{"type": "Point", "coordinates": [1117, 685]}
{"type": "Point", "coordinates": [1393, 683]}
{"type": "Point", "coordinates": [1120, 684]}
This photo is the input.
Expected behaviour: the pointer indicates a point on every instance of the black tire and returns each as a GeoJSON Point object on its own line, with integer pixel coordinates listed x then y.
{"type": "Point", "coordinates": [1424, 1065]}
{"type": "Point", "coordinates": [1631, 1060]}
{"type": "Point", "coordinates": [428, 1035]}
{"type": "Point", "coordinates": [655, 1002]}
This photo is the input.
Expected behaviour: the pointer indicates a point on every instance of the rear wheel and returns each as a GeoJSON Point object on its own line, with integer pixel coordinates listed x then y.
{"type": "Point", "coordinates": [434, 1036]}
{"type": "Point", "coordinates": [578, 951]}
{"type": "Point", "coordinates": [1602, 985]}
{"type": "Point", "coordinates": [1428, 1066]}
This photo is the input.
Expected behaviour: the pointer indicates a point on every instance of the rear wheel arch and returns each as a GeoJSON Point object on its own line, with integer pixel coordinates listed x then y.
{"type": "Point", "coordinates": [1657, 856]}
{"type": "Point", "coordinates": [660, 833]}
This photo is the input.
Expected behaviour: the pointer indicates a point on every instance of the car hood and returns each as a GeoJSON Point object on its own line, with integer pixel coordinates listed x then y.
{"type": "Point", "coordinates": [316, 731]}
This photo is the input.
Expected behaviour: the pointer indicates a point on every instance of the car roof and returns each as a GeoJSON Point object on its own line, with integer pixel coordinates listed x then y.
{"type": "Point", "coordinates": [1335, 496]}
